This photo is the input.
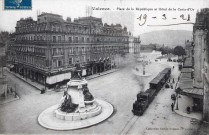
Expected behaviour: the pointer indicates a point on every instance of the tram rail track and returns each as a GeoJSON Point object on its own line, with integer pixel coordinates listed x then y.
{"type": "Point", "coordinates": [129, 125]}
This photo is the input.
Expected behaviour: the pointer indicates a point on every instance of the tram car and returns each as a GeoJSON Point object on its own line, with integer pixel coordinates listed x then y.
{"type": "Point", "coordinates": [158, 82]}
{"type": "Point", "coordinates": [143, 101]}
{"type": "Point", "coordinates": [145, 98]}
{"type": "Point", "coordinates": [167, 72]}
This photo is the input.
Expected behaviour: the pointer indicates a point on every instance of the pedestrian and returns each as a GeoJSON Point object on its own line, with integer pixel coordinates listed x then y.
{"type": "Point", "coordinates": [173, 67]}
{"type": "Point", "coordinates": [173, 80]}
{"type": "Point", "coordinates": [172, 106]}
{"type": "Point", "coordinates": [15, 94]}
{"type": "Point", "coordinates": [171, 86]}
{"type": "Point", "coordinates": [188, 110]}
{"type": "Point", "coordinates": [11, 90]}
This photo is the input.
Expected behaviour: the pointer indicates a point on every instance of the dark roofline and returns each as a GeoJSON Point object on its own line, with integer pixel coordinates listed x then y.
{"type": "Point", "coordinates": [84, 18]}
{"type": "Point", "coordinates": [49, 14]}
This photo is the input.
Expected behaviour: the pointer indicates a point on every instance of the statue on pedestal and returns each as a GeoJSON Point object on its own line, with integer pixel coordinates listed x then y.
{"type": "Point", "coordinates": [87, 95]}
{"type": "Point", "coordinates": [66, 104]}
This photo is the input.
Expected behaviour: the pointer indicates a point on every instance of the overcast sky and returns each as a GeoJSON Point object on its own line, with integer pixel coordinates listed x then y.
{"type": "Point", "coordinates": [77, 8]}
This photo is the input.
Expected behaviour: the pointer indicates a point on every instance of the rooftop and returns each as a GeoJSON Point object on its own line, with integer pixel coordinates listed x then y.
{"type": "Point", "coordinates": [165, 70]}
{"type": "Point", "coordinates": [188, 63]}
{"type": "Point", "coordinates": [157, 79]}
{"type": "Point", "coordinates": [193, 92]}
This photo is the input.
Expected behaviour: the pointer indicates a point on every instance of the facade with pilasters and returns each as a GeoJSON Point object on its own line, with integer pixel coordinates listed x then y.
{"type": "Point", "coordinates": [201, 55]}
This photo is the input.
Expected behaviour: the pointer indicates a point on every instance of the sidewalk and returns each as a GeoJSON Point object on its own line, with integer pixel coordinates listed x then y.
{"type": "Point", "coordinates": [32, 83]}
{"type": "Point", "coordinates": [183, 102]}
{"type": "Point", "coordinates": [39, 86]}
{"type": "Point", "coordinates": [8, 99]}
{"type": "Point", "coordinates": [101, 74]}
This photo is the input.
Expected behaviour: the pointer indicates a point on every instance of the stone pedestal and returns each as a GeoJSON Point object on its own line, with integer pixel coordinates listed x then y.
{"type": "Point", "coordinates": [53, 118]}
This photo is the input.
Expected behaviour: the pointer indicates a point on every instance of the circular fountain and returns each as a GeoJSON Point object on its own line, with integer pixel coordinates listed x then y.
{"type": "Point", "coordinates": [78, 108]}
{"type": "Point", "coordinates": [142, 72]}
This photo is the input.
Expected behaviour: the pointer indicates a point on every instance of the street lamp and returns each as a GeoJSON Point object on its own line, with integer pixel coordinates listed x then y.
{"type": "Point", "coordinates": [177, 91]}
{"type": "Point", "coordinates": [177, 105]}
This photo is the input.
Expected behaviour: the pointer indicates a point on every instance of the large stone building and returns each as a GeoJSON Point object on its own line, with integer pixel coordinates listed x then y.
{"type": "Point", "coordinates": [201, 57]}
{"type": "Point", "coordinates": [186, 82]}
{"type": "Point", "coordinates": [47, 50]}
{"type": "Point", "coordinates": [134, 45]}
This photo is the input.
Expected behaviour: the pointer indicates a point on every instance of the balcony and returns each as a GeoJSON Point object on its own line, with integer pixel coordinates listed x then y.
{"type": "Point", "coordinates": [44, 42]}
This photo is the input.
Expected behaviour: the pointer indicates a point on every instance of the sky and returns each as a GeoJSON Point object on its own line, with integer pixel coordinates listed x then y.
{"type": "Point", "coordinates": [137, 21]}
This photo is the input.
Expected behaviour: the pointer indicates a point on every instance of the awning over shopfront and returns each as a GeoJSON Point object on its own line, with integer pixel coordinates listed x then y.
{"type": "Point", "coordinates": [186, 76]}
{"type": "Point", "coordinates": [58, 78]}
{"type": "Point", "coordinates": [186, 70]}
{"type": "Point", "coordinates": [188, 63]}
{"type": "Point", "coordinates": [193, 92]}
{"type": "Point", "coordinates": [185, 84]}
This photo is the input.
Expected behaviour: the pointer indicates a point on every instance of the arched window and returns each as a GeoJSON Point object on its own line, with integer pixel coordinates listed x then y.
{"type": "Point", "coordinates": [54, 39]}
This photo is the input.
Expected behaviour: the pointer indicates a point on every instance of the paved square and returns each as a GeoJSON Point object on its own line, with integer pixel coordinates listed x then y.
{"type": "Point", "coordinates": [119, 89]}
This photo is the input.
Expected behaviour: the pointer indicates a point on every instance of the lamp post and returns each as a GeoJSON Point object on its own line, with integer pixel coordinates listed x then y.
{"type": "Point", "coordinates": [44, 82]}
{"type": "Point", "coordinates": [144, 65]}
{"type": "Point", "coordinates": [177, 105]}
{"type": "Point", "coordinates": [177, 91]}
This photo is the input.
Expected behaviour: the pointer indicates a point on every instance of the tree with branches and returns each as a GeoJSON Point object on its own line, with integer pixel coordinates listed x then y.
{"type": "Point", "coordinates": [179, 50]}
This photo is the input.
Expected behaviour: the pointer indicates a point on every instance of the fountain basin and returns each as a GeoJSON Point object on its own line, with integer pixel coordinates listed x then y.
{"type": "Point", "coordinates": [48, 119]}
{"type": "Point", "coordinates": [144, 75]}
{"type": "Point", "coordinates": [141, 74]}
{"type": "Point", "coordinates": [88, 113]}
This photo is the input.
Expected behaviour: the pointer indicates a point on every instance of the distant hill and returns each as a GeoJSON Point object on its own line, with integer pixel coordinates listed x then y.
{"type": "Point", "coordinates": [170, 38]}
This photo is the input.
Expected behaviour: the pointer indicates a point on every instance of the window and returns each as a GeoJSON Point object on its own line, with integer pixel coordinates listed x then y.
{"type": "Point", "coordinates": [76, 50]}
{"type": "Point", "coordinates": [59, 38]}
{"type": "Point", "coordinates": [43, 51]}
{"type": "Point", "coordinates": [59, 51]}
{"type": "Point", "coordinates": [54, 51]}
{"type": "Point", "coordinates": [82, 59]}
{"type": "Point", "coordinates": [54, 63]}
{"type": "Point", "coordinates": [54, 39]}
{"type": "Point", "coordinates": [70, 39]}
{"type": "Point", "coordinates": [59, 63]}
{"type": "Point", "coordinates": [82, 50]}
{"type": "Point", "coordinates": [70, 50]}
{"type": "Point", "coordinates": [76, 39]}
{"type": "Point", "coordinates": [87, 40]}
{"type": "Point", "coordinates": [70, 61]}
{"type": "Point", "coordinates": [82, 39]}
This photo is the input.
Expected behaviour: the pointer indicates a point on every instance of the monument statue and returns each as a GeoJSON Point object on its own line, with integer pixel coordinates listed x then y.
{"type": "Point", "coordinates": [77, 99]}
{"type": "Point", "coordinates": [66, 104]}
